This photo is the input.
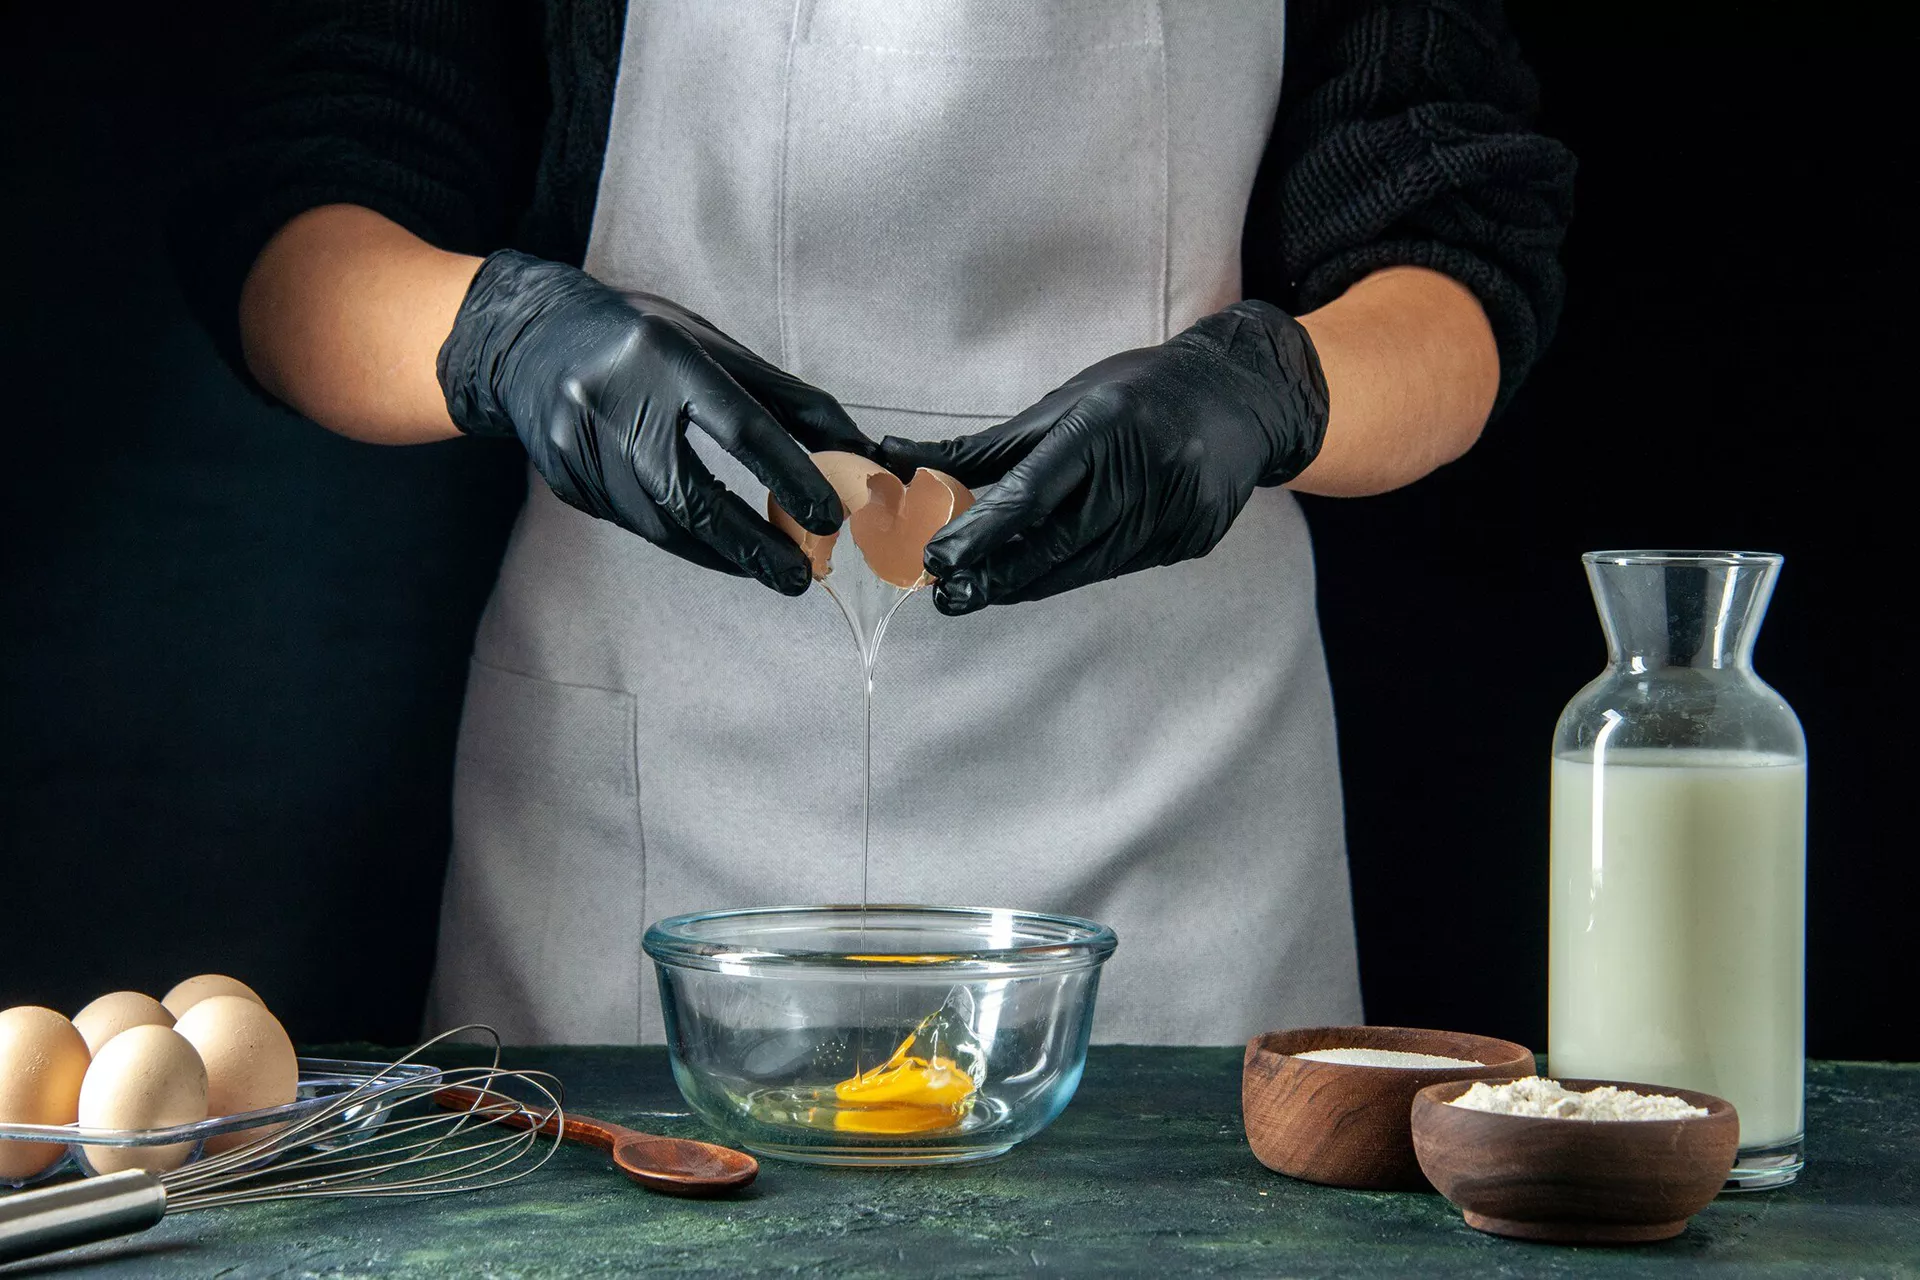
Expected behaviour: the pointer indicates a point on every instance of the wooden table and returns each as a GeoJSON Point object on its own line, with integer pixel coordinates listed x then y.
{"type": "Point", "coordinates": [1147, 1173]}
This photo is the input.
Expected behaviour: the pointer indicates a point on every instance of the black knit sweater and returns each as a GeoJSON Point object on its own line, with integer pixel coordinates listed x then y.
{"type": "Point", "coordinates": [1402, 138]}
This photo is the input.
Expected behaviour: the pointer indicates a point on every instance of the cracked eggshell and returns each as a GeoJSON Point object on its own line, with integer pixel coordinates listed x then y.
{"type": "Point", "coordinates": [249, 1059]}
{"type": "Point", "coordinates": [189, 993]}
{"type": "Point", "coordinates": [42, 1062]}
{"type": "Point", "coordinates": [890, 522]}
{"type": "Point", "coordinates": [115, 1012]}
{"type": "Point", "coordinates": [147, 1077]}
{"type": "Point", "coordinates": [892, 531]}
{"type": "Point", "coordinates": [849, 474]}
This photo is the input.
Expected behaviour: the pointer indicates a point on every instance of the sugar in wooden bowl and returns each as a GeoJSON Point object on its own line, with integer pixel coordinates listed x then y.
{"type": "Point", "coordinates": [1332, 1104]}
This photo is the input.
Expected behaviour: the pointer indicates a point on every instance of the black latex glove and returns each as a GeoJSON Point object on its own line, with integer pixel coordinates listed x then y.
{"type": "Point", "coordinates": [600, 387]}
{"type": "Point", "coordinates": [1143, 459]}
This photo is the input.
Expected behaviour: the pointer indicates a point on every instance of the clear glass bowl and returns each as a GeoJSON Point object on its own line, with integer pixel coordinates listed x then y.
{"type": "Point", "coordinates": [883, 1035]}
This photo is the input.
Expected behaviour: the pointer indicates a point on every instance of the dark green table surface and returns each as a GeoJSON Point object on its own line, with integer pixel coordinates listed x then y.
{"type": "Point", "coordinates": [1147, 1172]}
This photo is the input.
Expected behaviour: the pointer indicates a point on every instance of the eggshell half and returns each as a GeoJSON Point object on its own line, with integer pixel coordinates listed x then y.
{"type": "Point", "coordinates": [116, 1011]}
{"type": "Point", "coordinates": [249, 1059]}
{"type": "Point", "coordinates": [191, 992]}
{"type": "Point", "coordinates": [42, 1062]}
{"type": "Point", "coordinates": [147, 1077]}
{"type": "Point", "coordinates": [892, 531]}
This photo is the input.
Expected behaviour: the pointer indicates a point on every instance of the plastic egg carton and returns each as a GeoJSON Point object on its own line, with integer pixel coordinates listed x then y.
{"type": "Point", "coordinates": [321, 1079]}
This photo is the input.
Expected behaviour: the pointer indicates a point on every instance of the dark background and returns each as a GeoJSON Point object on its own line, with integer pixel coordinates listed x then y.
{"type": "Point", "coordinates": [234, 645]}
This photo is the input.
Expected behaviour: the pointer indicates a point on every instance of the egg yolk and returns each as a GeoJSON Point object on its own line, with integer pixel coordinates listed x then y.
{"type": "Point", "coordinates": [904, 1094]}
{"type": "Point", "coordinates": [902, 959]}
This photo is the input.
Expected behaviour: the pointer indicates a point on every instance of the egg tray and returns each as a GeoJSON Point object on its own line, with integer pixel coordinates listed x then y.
{"type": "Point", "coordinates": [321, 1079]}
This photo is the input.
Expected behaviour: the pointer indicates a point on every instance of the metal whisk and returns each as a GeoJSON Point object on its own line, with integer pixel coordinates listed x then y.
{"type": "Point", "coordinates": [389, 1136]}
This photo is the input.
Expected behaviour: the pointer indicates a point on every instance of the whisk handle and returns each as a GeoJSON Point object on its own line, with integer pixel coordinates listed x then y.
{"type": "Point", "coordinates": [77, 1213]}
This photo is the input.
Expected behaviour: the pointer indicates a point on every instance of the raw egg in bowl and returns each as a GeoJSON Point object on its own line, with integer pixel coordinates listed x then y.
{"type": "Point", "coordinates": [890, 1035]}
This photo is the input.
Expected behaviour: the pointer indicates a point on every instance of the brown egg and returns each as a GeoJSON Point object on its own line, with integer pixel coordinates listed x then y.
{"type": "Point", "coordinates": [42, 1062]}
{"type": "Point", "coordinates": [116, 1011]}
{"type": "Point", "coordinates": [890, 522]}
{"type": "Point", "coordinates": [147, 1077]}
{"type": "Point", "coordinates": [250, 1062]}
{"type": "Point", "coordinates": [191, 992]}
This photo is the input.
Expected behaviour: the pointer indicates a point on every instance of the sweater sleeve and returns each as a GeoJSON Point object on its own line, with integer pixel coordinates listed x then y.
{"type": "Point", "coordinates": [1403, 137]}
{"type": "Point", "coordinates": [426, 111]}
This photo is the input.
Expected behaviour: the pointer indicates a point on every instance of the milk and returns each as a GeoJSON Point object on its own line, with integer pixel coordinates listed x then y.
{"type": "Point", "coordinates": [1677, 936]}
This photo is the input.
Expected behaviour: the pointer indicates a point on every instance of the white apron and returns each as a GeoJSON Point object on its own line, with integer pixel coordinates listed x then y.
{"type": "Point", "coordinates": [937, 211]}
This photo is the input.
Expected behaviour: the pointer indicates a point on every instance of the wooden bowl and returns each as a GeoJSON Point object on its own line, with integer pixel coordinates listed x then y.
{"type": "Point", "coordinates": [1576, 1181]}
{"type": "Point", "coordinates": [1347, 1126]}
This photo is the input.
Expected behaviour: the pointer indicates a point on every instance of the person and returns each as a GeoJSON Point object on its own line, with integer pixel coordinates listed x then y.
{"type": "Point", "coordinates": [1105, 263]}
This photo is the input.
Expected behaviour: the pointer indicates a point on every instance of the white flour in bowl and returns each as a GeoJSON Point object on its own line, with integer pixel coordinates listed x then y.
{"type": "Point", "coordinates": [1534, 1096]}
{"type": "Point", "coordinates": [1385, 1058]}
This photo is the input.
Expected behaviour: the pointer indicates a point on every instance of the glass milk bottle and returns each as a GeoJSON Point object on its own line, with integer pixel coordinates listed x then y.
{"type": "Point", "coordinates": [1677, 933]}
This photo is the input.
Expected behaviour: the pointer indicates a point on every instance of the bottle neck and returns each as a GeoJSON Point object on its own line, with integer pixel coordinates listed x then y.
{"type": "Point", "coordinates": [1675, 612]}
{"type": "Point", "coordinates": [1640, 657]}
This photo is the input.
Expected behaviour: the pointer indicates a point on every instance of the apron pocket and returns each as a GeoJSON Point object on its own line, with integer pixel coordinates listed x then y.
{"type": "Point", "coordinates": [916, 134]}
{"type": "Point", "coordinates": [543, 912]}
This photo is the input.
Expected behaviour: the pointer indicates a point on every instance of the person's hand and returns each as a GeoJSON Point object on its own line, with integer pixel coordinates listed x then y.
{"type": "Point", "coordinates": [1143, 459]}
{"type": "Point", "coordinates": [600, 386]}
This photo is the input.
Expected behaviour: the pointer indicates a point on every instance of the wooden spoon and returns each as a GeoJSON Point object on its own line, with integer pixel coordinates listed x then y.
{"type": "Point", "coordinates": [677, 1166]}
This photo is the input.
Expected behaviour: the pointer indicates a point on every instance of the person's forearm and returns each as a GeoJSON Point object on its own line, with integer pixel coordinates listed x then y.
{"type": "Point", "coordinates": [342, 317]}
{"type": "Point", "coordinates": [1411, 372]}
